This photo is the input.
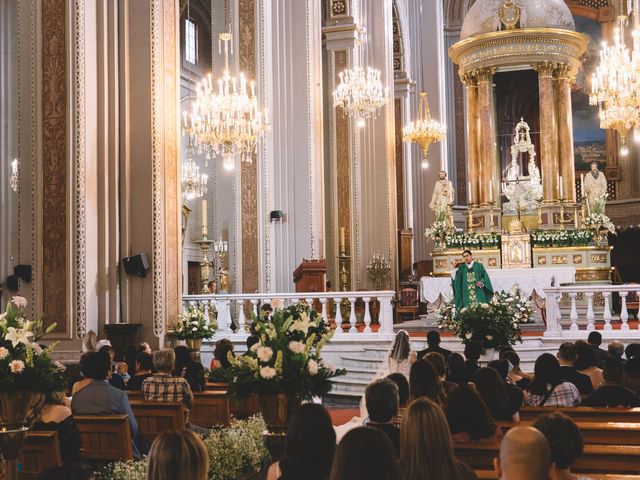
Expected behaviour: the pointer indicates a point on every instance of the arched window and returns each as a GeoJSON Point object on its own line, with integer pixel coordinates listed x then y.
{"type": "Point", "coordinates": [190, 41]}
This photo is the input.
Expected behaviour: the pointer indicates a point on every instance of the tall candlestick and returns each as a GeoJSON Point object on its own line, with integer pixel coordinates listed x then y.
{"type": "Point", "coordinates": [342, 241]}
{"type": "Point", "coordinates": [204, 212]}
{"type": "Point", "coordinates": [560, 186]}
{"type": "Point", "coordinates": [490, 191]}
{"type": "Point", "coordinates": [469, 192]}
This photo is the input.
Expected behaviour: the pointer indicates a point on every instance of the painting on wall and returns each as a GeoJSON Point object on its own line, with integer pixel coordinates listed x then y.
{"type": "Point", "coordinates": [589, 139]}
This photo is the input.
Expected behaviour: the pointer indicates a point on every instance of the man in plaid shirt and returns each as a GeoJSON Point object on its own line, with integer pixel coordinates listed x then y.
{"type": "Point", "coordinates": [163, 387]}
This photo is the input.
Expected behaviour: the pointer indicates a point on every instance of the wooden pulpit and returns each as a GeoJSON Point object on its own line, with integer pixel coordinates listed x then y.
{"type": "Point", "coordinates": [310, 275]}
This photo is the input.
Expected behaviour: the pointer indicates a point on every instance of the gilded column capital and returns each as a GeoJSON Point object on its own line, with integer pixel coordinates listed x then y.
{"type": "Point", "coordinates": [469, 79]}
{"type": "Point", "coordinates": [484, 75]}
{"type": "Point", "coordinates": [561, 71]}
{"type": "Point", "coordinates": [546, 69]}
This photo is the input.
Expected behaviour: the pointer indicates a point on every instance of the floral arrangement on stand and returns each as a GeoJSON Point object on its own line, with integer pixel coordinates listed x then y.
{"type": "Point", "coordinates": [495, 324]}
{"type": "Point", "coordinates": [24, 364]}
{"type": "Point", "coordinates": [596, 221]}
{"type": "Point", "coordinates": [233, 452]}
{"type": "Point", "coordinates": [287, 359]}
{"type": "Point", "coordinates": [561, 238]}
{"type": "Point", "coordinates": [460, 239]}
{"type": "Point", "coordinates": [193, 325]}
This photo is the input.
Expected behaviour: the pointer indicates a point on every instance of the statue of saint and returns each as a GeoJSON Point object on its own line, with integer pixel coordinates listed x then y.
{"type": "Point", "coordinates": [595, 187]}
{"type": "Point", "coordinates": [443, 194]}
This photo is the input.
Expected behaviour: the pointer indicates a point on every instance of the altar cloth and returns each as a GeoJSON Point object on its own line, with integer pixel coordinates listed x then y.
{"type": "Point", "coordinates": [528, 279]}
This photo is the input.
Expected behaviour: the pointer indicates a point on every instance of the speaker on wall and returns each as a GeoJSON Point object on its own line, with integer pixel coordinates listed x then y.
{"type": "Point", "coordinates": [275, 215]}
{"type": "Point", "coordinates": [136, 265]}
{"type": "Point", "coordinates": [23, 272]}
{"type": "Point", "coordinates": [12, 283]}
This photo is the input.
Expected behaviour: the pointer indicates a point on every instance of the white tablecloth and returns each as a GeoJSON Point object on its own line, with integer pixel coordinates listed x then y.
{"type": "Point", "coordinates": [528, 279]}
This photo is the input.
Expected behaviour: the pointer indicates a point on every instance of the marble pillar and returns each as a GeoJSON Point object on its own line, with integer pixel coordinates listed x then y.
{"type": "Point", "coordinates": [548, 131]}
{"type": "Point", "coordinates": [471, 87]}
{"type": "Point", "coordinates": [486, 133]}
{"type": "Point", "coordinates": [565, 132]}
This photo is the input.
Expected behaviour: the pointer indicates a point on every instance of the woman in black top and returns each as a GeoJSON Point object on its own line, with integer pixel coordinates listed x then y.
{"type": "Point", "coordinates": [56, 416]}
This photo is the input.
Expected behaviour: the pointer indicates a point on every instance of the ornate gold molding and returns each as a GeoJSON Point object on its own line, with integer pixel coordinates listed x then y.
{"type": "Point", "coordinates": [484, 75]}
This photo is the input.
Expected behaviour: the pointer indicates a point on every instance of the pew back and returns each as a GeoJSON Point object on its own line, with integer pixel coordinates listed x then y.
{"type": "Point", "coordinates": [155, 417]}
{"type": "Point", "coordinates": [585, 414]}
{"type": "Point", "coordinates": [104, 437]}
{"type": "Point", "coordinates": [599, 433]}
{"type": "Point", "coordinates": [41, 450]}
{"type": "Point", "coordinates": [210, 409]}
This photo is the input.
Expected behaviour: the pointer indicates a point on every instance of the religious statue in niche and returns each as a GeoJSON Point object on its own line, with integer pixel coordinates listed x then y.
{"type": "Point", "coordinates": [595, 189]}
{"type": "Point", "coordinates": [523, 192]}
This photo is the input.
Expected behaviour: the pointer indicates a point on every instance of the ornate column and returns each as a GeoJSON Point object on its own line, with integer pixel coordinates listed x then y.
{"type": "Point", "coordinates": [486, 133]}
{"type": "Point", "coordinates": [548, 131]}
{"type": "Point", "coordinates": [473, 158]}
{"type": "Point", "coordinates": [565, 131]}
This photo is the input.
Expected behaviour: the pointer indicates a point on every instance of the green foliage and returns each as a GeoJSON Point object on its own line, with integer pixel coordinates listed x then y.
{"type": "Point", "coordinates": [288, 357]}
{"type": "Point", "coordinates": [192, 324]}
{"type": "Point", "coordinates": [24, 364]}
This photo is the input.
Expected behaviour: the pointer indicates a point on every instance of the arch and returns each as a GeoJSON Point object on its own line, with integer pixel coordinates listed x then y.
{"type": "Point", "coordinates": [401, 44]}
{"type": "Point", "coordinates": [454, 13]}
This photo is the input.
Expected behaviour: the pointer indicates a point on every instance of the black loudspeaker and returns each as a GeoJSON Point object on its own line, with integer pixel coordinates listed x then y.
{"type": "Point", "coordinates": [136, 265]}
{"type": "Point", "coordinates": [12, 283]}
{"type": "Point", "coordinates": [23, 272]}
{"type": "Point", "coordinates": [275, 215]}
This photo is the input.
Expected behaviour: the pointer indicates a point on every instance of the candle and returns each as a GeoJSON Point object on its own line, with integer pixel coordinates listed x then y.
{"type": "Point", "coordinates": [469, 192]}
{"type": "Point", "coordinates": [582, 185]}
{"type": "Point", "coordinates": [204, 212]}
{"type": "Point", "coordinates": [560, 186]}
{"type": "Point", "coordinates": [342, 242]}
{"type": "Point", "coordinates": [490, 191]}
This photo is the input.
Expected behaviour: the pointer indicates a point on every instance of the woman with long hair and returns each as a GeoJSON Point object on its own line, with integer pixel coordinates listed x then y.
{"type": "Point", "coordinates": [424, 381]}
{"type": "Point", "coordinates": [187, 368]}
{"type": "Point", "coordinates": [365, 453]}
{"type": "Point", "coordinates": [426, 447]}
{"type": "Point", "coordinates": [547, 388]}
{"type": "Point", "coordinates": [469, 418]}
{"type": "Point", "coordinates": [455, 362]}
{"type": "Point", "coordinates": [56, 416]}
{"type": "Point", "coordinates": [401, 357]}
{"type": "Point", "coordinates": [178, 454]}
{"type": "Point", "coordinates": [493, 391]}
{"type": "Point", "coordinates": [587, 363]}
{"type": "Point", "coordinates": [309, 446]}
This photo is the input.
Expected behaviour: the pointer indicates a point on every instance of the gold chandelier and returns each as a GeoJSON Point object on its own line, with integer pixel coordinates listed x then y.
{"type": "Point", "coordinates": [225, 118]}
{"type": "Point", "coordinates": [615, 85]}
{"type": "Point", "coordinates": [425, 130]}
{"type": "Point", "coordinates": [360, 93]}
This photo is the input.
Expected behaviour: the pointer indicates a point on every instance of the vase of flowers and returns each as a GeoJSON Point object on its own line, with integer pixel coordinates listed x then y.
{"type": "Point", "coordinates": [192, 327]}
{"type": "Point", "coordinates": [27, 373]}
{"type": "Point", "coordinates": [284, 368]}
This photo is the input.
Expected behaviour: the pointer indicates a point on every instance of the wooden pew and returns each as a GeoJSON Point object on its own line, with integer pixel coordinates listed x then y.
{"type": "Point", "coordinates": [156, 417]}
{"type": "Point", "coordinates": [240, 408]}
{"type": "Point", "coordinates": [599, 433]}
{"type": "Point", "coordinates": [104, 437]}
{"type": "Point", "coordinates": [41, 450]}
{"type": "Point", "coordinates": [491, 475]}
{"type": "Point", "coordinates": [210, 409]}
{"type": "Point", "coordinates": [135, 395]}
{"type": "Point", "coordinates": [585, 414]}
{"type": "Point", "coordinates": [609, 459]}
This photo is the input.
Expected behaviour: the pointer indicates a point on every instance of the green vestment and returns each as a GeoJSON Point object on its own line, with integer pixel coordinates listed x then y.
{"type": "Point", "coordinates": [465, 291]}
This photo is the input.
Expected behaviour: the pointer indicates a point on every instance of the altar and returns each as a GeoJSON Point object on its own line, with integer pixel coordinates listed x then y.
{"type": "Point", "coordinates": [529, 280]}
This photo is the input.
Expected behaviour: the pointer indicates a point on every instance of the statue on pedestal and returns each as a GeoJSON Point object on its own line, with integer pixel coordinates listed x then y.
{"type": "Point", "coordinates": [595, 189]}
{"type": "Point", "coordinates": [443, 194]}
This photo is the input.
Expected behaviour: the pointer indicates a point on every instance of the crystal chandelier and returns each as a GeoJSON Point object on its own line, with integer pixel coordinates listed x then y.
{"type": "Point", "coordinates": [360, 93]}
{"type": "Point", "coordinates": [225, 118]}
{"type": "Point", "coordinates": [425, 130]}
{"type": "Point", "coordinates": [193, 183]}
{"type": "Point", "coordinates": [615, 85]}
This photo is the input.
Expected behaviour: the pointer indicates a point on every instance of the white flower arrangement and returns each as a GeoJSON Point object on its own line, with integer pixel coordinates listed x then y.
{"type": "Point", "coordinates": [600, 220]}
{"type": "Point", "coordinates": [192, 324]}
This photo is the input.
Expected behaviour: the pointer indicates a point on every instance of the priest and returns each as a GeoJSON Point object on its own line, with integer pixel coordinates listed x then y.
{"type": "Point", "coordinates": [471, 283]}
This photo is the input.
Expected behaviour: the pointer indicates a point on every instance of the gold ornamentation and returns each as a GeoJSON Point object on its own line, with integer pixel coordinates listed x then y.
{"type": "Point", "coordinates": [493, 262]}
{"type": "Point", "coordinates": [509, 14]}
{"type": "Point", "coordinates": [577, 259]}
{"type": "Point", "coordinates": [598, 258]}
{"type": "Point", "coordinates": [559, 260]}
{"type": "Point", "coordinates": [441, 264]}
{"type": "Point", "coordinates": [542, 260]}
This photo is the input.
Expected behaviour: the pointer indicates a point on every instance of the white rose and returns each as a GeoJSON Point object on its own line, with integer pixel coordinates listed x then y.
{"type": "Point", "coordinates": [312, 366]}
{"type": "Point", "coordinates": [194, 329]}
{"type": "Point", "coordinates": [19, 302]}
{"type": "Point", "coordinates": [16, 366]}
{"type": "Point", "coordinates": [267, 372]}
{"type": "Point", "coordinates": [264, 353]}
{"type": "Point", "coordinates": [4, 353]}
{"type": "Point", "coordinates": [485, 305]}
{"type": "Point", "coordinates": [296, 347]}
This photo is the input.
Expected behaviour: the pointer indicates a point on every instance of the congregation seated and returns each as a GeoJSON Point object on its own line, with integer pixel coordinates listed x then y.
{"type": "Point", "coordinates": [469, 418]}
{"type": "Point", "coordinates": [401, 357]}
{"type": "Point", "coordinates": [84, 380]}
{"type": "Point", "coordinates": [130, 356]}
{"type": "Point", "coordinates": [99, 397]}
{"type": "Point", "coordinates": [56, 416]}
{"type": "Point", "coordinates": [310, 446]}
{"type": "Point", "coordinates": [514, 393]}
{"type": "Point", "coordinates": [424, 381]}
{"type": "Point", "coordinates": [516, 376]}
{"type": "Point", "coordinates": [631, 378]}
{"type": "Point", "coordinates": [456, 368]}
{"type": "Point", "coordinates": [594, 340]}
{"type": "Point", "coordinates": [433, 345]}
{"type": "Point", "coordinates": [187, 368]}
{"type": "Point", "coordinates": [547, 388]}
{"type": "Point", "coordinates": [440, 364]}
{"type": "Point", "coordinates": [472, 352]}
{"type": "Point", "coordinates": [565, 443]}
{"type": "Point", "coordinates": [612, 393]}
{"type": "Point", "coordinates": [220, 362]}
{"type": "Point", "coordinates": [403, 395]}
{"type": "Point", "coordinates": [122, 370]}
{"type": "Point", "coordinates": [494, 392]}
{"type": "Point", "coordinates": [144, 367]}
{"type": "Point", "coordinates": [365, 453]}
{"type": "Point", "coordinates": [382, 401]}
{"type": "Point", "coordinates": [524, 455]}
{"type": "Point", "coordinates": [587, 363]}
{"type": "Point", "coordinates": [567, 355]}
{"type": "Point", "coordinates": [615, 350]}
{"type": "Point", "coordinates": [427, 447]}
{"type": "Point", "coordinates": [144, 347]}
{"type": "Point", "coordinates": [178, 454]}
